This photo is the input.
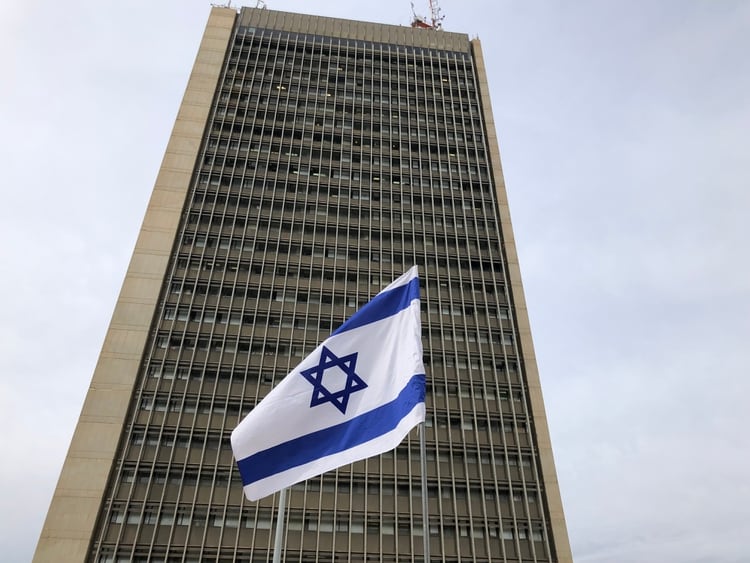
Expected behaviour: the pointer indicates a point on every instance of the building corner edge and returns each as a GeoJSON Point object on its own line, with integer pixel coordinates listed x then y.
{"type": "Point", "coordinates": [68, 529]}
{"type": "Point", "coordinates": [558, 527]}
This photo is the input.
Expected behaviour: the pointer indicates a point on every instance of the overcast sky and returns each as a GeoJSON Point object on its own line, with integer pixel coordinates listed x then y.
{"type": "Point", "coordinates": [624, 128]}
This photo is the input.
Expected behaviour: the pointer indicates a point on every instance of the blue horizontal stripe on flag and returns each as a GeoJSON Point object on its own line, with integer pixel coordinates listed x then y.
{"type": "Point", "coordinates": [334, 439]}
{"type": "Point", "coordinates": [382, 306]}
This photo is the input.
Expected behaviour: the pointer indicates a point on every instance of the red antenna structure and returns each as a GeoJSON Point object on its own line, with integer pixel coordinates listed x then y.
{"type": "Point", "coordinates": [434, 22]}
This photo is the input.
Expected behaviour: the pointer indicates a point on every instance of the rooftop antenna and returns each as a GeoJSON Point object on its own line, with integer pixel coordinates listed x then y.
{"type": "Point", "coordinates": [260, 4]}
{"type": "Point", "coordinates": [436, 18]}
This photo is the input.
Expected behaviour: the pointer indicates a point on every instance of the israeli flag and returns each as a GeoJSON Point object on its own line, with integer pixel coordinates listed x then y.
{"type": "Point", "coordinates": [357, 395]}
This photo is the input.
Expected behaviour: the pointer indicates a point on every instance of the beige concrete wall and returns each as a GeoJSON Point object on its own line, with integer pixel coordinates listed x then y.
{"type": "Point", "coordinates": [347, 29]}
{"type": "Point", "coordinates": [69, 526]}
{"type": "Point", "coordinates": [544, 445]}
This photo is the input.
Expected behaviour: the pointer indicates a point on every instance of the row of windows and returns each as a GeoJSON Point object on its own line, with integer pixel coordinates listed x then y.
{"type": "Point", "coordinates": [286, 241]}
{"type": "Point", "coordinates": [233, 407]}
{"type": "Point", "coordinates": [377, 61]}
{"type": "Point", "coordinates": [353, 524]}
{"type": "Point", "coordinates": [453, 147]}
{"type": "Point", "coordinates": [401, 258]}
{"type": "Point", "coordinates": [236, 318]}
{"type": "Point", "coordinates": [214, 440]}
{"type": "Point", "coordinates": [470, 389]}
{"type": "Point", "coordinates": [190, 477]}
{"type": "Point", "coordinates": [444, 490]}
{"type": "Point", "coordinates": [192, 405]}
{"type": "Point", "coordinates": [190, 287]}
{"type": "Point", "coordinates": [446, 143]}
{"type": "Point", "coordinates": [270, 194]}
{"type": "Point", "coordinates": [446, 231]}
{"type": "Point", "coordinates": [301, 77]}
{"type": "Point", "coordinates": [321, 220]}
{"type": "Point", "coordinates": [300, 276]}
{"type": "Point", "coordinates": [448, 491]}
{"type": "Point", "coordinates": [338, 165]}
{"type": "Point", "coordinates": [307, 155]}
{"type": "Point", "coordinates": [229, 265]}
{"type": "Point", "coordinates": [281, 63]}
{"type": "Point", "coordinates": [210, 316]}
{"type": "Point", "coordinates": [186, 343]}
{"type": "Point", "coordinates": [313, 128]}
{"type": "Point", "coordinates": [417, 108]}
{"type": "Point", "coordinates": [255, 192]}
{"type": "Point", "coordinates": [314, 296]}
{"type": "Point", "coordinates": [256, 554]}
{"type": "Point", "coordinates": [253, 555]}
{"type": "Point", "coordinates": [470, 423]}
{"type": "Point", "coordinates": [318, 71]}
{"type": "Point", "coordinates": [475, 390]}
{"type": "Point", "coordinates": [287, 135]}
{"type": "Point", "coordinates": [194, 475]}
{"type": "Point", "coordinates": [342, 172]}
{"type": "Point", "coordinates": [391, 84]}
{"type": "Point", "coordinates": [418, 95]}
{"type": "Point", "coordinates": [461, 463]}
{"type": "Point", "coordinates": [243, 241]}
{"type": "Point", "coordinates": [392, 143]}
{"type": "Point", "coordinates": [421, 120]}
{"type": "Point", "coordinates": [389, 54]}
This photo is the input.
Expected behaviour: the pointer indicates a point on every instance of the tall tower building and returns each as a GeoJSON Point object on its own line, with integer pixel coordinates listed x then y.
{"type": "Point", "coordinates": [314, 160]}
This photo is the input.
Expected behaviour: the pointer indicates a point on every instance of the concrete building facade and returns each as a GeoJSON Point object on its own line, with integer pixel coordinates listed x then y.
{"type": "Point", "coordinates": [313, 160]}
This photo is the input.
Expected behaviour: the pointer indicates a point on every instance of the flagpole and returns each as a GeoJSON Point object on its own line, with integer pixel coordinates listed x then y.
{"type": "Point", "coordinates": [279, 540]}
{"type": "Point", "coordinates": [425, 515]}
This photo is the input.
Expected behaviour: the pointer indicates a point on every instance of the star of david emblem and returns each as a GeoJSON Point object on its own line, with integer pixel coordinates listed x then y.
{"type": "Point", "coordinates": [321, 394]}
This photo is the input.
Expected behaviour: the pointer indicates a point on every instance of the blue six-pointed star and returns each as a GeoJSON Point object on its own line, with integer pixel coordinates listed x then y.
{"type": "Point", "coordinates": [328, 360]}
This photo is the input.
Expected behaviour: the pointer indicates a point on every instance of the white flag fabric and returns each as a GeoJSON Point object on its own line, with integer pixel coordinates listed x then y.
{"type": "Point", "coordinates": [357, 395]}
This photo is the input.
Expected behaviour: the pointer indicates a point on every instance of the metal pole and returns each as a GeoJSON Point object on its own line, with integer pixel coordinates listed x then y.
{"type": "Point", "coordinates": [425, 515]}
{"type": "Point", "coordinates": [279, 540]}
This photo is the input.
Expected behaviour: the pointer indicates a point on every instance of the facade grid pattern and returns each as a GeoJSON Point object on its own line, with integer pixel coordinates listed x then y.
{"type": "Point", "coordinates": [328, 167]}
